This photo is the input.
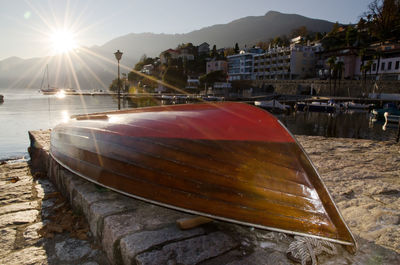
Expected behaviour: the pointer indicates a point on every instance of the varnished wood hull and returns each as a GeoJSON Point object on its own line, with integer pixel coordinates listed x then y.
{"type": "Point", "coordinates": [229, 161]}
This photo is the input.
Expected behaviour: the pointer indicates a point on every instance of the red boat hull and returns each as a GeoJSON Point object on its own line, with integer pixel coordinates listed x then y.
{"type": "Point", "coordinates": [229, 161]}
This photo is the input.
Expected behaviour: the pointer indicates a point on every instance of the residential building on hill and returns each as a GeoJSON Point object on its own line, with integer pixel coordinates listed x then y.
{"type": "Point", "coordinates": [240, 66]}
{"type": "Point", "coordinates": [183, 53]}
{"type": "Point", "coordinates": [387, 67]}
{"type": "Point", "coordinates": [148, 69]}
{"type": "Point", "coordinates": [203, 48]}
{"type": "Point", "coordinates": [384, 62]}
{"type": "Point", "coordinates": [170, 53]}
{"type": "Point", "coordinates": [216, 65]}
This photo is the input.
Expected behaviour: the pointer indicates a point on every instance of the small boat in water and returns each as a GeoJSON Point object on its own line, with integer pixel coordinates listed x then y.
{"type": "Point", "coordinates": [213, 98]}
{"type": "Point", "coordinates": [49, 90]}
{"type": "Point", "coordinates": [272, 105]}
{"type": "Point", "coordinates": [357, 106]}
{"type": "Point", "coordinates": [317, 106]}
{"type": "Point", "coordinates": [228, 161]}
{"type": "Point", "coordinates": [1, 98]}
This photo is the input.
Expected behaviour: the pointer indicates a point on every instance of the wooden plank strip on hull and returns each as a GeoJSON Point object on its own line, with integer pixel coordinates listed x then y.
{"type": "Point", "coordinates": [257, 197]}
{"type": "Point", "coordinates": [200, 204]}
{"type": "Point", "coordinates": [230, 161]}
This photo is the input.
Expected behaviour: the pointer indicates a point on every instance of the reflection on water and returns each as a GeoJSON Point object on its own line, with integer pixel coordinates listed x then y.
{"type": "Point", "coordinates": [24, 111]}
{"type": "Point", "coordinates": [353, 124]}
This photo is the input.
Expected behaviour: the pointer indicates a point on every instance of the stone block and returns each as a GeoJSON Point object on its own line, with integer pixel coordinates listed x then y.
{"type": "Point", "coordinates": [7, 239]}
{"type": "Point", "coordinates": [18, 218]}
{"type": "Point", "coordinates": [20, 191]}
{"type": "Point", "coordinates": [31, 232]}
{"type": "Point", "coordinates": [190, 251]}
{"type": "Point", "coordinates": [23, 206]}
{"type": "Point", "coordinates": [67, 181]}
{"type": "Point", "coordinates": [72, 250]}
{"type": "Point", "coordinates": [136, 243]}
{"type": "Point", "coordinates": [85, 194]}
{"type": "Point", "coordinates": [146, 216]}
{"type": "Point", "coordinates": [114, 228]}
{"type": "Point", "coordinates": [26, 256]}
{"type": "Point", "coordinates": [43, 186]}
{"type": "Point", "coordinates": [100, 210]}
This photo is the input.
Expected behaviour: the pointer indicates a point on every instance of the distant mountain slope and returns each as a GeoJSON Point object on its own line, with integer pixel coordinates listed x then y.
{"type": "Point", "coordinates": [96, 67]}
{"type": "Point", "coordinates": [245, 31]}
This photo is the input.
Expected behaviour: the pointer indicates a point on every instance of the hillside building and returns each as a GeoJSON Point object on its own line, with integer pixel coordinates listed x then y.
{"type": "Point", "coordinates": [203, 48]}
{"type": "Point", "coordinates": [216, 65]}
{"type": "Point", "coordinates": [387, 67]}
{"type": "Point", "coordinates": [241, 66]}
{"type": "Point", "coordinates": [294, 62]}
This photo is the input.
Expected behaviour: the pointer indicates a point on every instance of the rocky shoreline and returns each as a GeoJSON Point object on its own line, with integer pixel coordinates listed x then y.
{"type": "Point", "coordinates": [363, 176]}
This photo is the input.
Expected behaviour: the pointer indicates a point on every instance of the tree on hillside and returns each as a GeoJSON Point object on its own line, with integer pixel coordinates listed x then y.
{"type": "Point", "coordinates": [263, 45]}
{"type": "Point", "coordinates": [301, 31]}
{"type": "Point", "coordinates": [213, 52]}
{"type": "Point", "coordinates": [144, 60]}
{"type": "Point", "coordinates": [216, 76]}
{"type": "Point", "coordinates": [383, 19]}
{"type": "Point", "coordinates": [339, 67]}
{"type": "Point", "coordinates": [237, 50]}
{"type": "Point", "coordinates": [134, 77]}
{"type": "Point", "coordinates": [229, 51]}
{"type": "Point", "coordinates": [331, 62]}
{"type": "Point", "coordinates": [175, 77]}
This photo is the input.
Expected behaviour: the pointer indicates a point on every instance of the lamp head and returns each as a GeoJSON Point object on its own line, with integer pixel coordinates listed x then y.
{"type": "Point", "coordinates": [118, 55]}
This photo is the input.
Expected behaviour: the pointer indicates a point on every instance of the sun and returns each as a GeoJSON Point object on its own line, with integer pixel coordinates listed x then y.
{"type": "Point", "coordinates": [63, 41]}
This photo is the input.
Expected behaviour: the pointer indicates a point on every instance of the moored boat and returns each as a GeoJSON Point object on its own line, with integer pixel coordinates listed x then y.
{"type": "Point", "coordinates": [1, 98]}
{"type": "Point", "coordinates": [228, 161]}
{"type": "Point", "coordinates": [272, 105]}
{"type": "Point", "coordinates": [357, 106]}
{"type": "Point", "coordinates": [49, 90]}
{"type": "Point", "coordinates": [316, 106]}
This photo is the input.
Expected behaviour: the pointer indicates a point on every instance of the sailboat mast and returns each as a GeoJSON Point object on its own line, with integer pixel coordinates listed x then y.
{"type": "Point", "coordinates": [48, 84]}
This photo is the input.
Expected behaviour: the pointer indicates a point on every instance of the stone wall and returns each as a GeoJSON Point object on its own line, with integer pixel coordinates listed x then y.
{"type": "Point", "coordinates": [344, 88]}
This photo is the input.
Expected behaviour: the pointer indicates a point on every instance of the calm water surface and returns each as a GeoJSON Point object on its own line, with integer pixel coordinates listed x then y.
{"type": "Point", "coordinates": [22, 111]}
{"type": "Point", "coordinates": [28, 110]}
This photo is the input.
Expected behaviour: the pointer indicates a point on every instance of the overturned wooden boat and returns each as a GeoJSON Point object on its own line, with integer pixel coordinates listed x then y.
{"type": "Point", "coordinates": [228, 161]}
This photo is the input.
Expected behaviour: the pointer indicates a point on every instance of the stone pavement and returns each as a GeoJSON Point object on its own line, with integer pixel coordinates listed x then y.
{"type": "Point", "coordinates": [25, 208]}
{"type": "Point", "coordinates": [134, 232]}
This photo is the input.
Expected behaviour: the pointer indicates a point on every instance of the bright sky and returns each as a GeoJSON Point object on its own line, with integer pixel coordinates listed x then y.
{"type": "Point", "coordinates": [32, 28]}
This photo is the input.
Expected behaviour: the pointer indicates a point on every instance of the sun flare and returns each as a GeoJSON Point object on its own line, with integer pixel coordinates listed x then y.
{"type": "Point", "coordinates": [63, 41]}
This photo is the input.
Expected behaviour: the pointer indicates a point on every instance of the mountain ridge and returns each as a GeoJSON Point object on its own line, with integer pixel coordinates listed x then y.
{"type": "Point", "coordinates": [97, 68]}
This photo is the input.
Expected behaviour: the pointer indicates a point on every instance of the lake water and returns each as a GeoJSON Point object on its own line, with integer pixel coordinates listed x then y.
{"type": "Point", "coordinates": [29, 110]}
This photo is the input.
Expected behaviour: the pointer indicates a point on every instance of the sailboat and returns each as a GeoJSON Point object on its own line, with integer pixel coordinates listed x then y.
{"type": "Point", "coordinates": [49, 90]}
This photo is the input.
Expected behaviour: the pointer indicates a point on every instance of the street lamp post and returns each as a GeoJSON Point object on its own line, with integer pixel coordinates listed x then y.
{"type": "Point", "coordinates": [118, 56]}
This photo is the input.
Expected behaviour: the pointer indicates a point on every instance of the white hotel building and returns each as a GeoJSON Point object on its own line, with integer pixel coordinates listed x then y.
{"type": "Point", "coordinates": [296, 61]}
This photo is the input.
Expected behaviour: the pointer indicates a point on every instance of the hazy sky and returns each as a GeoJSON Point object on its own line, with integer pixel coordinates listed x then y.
{"type": "Point", "coordinates": [26, 26]}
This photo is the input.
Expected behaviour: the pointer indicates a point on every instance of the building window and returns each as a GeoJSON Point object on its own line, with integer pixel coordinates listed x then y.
{"type": "Point", "coordinates": [382, 66]}
{"type": "Point", "coordinates": [397, 65]}
{"type": "Point", "coordinates": [389, 65]}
